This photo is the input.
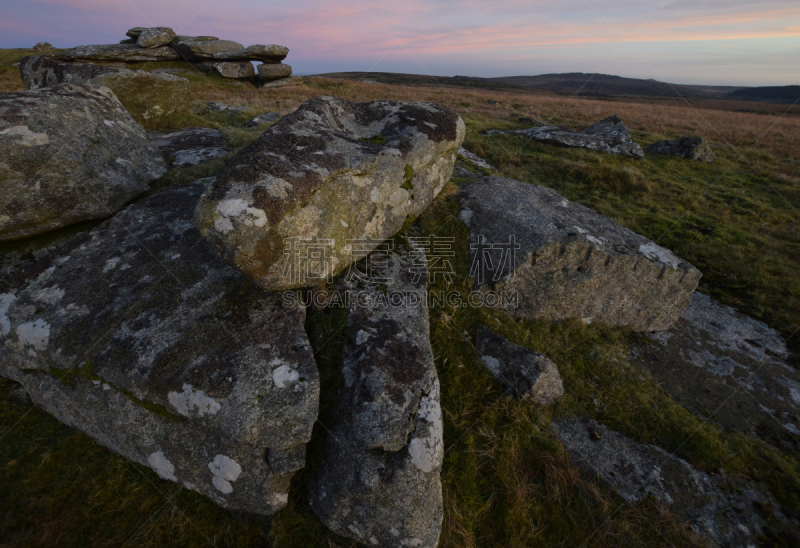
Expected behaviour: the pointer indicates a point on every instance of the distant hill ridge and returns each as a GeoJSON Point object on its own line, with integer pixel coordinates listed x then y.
{"type": "Point", "coordinates": [589, 84]}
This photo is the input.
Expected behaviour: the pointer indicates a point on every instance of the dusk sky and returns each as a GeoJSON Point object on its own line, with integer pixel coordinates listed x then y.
{"type": "Point", "coordinates": [724, 42]}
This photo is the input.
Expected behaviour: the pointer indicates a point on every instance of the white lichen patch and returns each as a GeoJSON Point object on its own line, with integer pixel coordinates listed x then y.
{"type": "Point", "coordinates": [279, 499]}
{"type": "Point", "coordinates": [111, 264]}
{"type": "Point", "coordinates": [35, 334]}
{"type": "Point", "coordinates": [466, 216]}
{"type": "Point", "coordinates": [26, 137]}
{"type": "Point", "coordinates": [225, 470]}
{"type": "Point", "coordinates": [162, 466]}
{"type": "Point", "coordinates": [594, 240]}
{"type": "Point", "coordinates": [284, 375]}
{"type": "Point", "coordinates": [362, 337]}
{"type": "Point", "coordinates": [275, 186]}
{"type": "Point", "coordinates": [659, 254]}
{"type": "Point", "coordinates": [239, 210]}
{"type": "Point", "coordinates": [5, 303]}
{"type": "Point", "coordinates": [492, 364]}
{"type": "Point", "coordinates": [49, 295]}
{"type": "Point", "coordinates": [192, 401]}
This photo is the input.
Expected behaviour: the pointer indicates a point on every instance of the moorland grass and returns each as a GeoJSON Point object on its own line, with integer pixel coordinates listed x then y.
{"type": "Point", "coordinates": [506, 479]}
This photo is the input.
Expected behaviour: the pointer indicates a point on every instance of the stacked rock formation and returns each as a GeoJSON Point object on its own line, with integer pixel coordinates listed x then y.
{"type": "Point", "coordinates": [149, 94]}
{"type": "Point", "coordinates": [205, 377]}
{"type": "Point", "coordinates": [226, 58]}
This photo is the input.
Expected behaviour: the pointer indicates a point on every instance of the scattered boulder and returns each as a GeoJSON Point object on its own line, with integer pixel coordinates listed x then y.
{"type": "Point", "coordinates": [727, 367]}
{"type": "Point", "coordinates": [213, 106]}
{"type": "Point", "coordinates": [562, 260]}
{"type": "Point", "coordinates": [266, 54]}
{"type": "Point", "coordinates": [691, 148]}
{"type": "Point", "coordinates": [330, 171]}
{"type": "Point", "coordinates": [70, 153]}
{"type": "Point", "coordinates": [531, 121]}
{"type": "Point", "coordinates": [242, 69]}
{"type": "Point", "coordinates": [125, 53]}
{"type": "Point", "coordinates": [262, 119]}
{"type": "Point", "coordinates": [268, 72]}
{"type": "Point", "coordinates": [291, 81]}
{"type": "Point", "coordinates": [139, 336]}
{"type": "Point", "coordinates": [155, 37]}
{"type": "Point", "coordinates": [726, 510]}
{"type": "Point", "coordinates": [191, 146]}
{"type": "Point", "coordinates": [609, 135]}
{"type": "Point", "coordinates": [379, 483]}
{"type": "Point", "coordinates": [199, 50]}
{"type": "Point", "coordinates": [523, 373]}
{"type": "Point", "coordinates": [43, 46]}
{"type": "Point", "coordinates": [475, 160]}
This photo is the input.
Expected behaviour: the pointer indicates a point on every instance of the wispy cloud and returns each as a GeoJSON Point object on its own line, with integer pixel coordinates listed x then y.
{"type": "Point", "coordinates": [451, 33]}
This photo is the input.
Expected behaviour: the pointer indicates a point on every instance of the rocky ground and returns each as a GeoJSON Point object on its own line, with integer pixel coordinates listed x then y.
{"type": "Point", "coordinates": [618, 406]}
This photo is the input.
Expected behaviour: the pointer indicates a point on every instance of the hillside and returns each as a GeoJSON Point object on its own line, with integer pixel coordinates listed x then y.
{"type": "Point", "coordinates": [578, 83]}
{"type": "Point", "coordinates": [772, 94]}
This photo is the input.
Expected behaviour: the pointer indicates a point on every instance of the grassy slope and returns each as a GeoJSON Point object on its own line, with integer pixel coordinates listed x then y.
{"type": "Point", "coordinates": [506, 479]}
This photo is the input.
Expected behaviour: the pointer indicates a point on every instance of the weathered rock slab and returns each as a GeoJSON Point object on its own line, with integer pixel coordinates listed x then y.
{"type": "Point", "coordinates": [138, 335]}
{"type": "Point", "coordinates": [729, 368]}
{"type": "Point", "coordinates": [569, 261]}
{"type": "Point", "coordinates": [379, 483]}
{"type": "Point", "coordinates": [330, 172]}
{"type": "Point", "coordinates": [523, 373]}
{"type": "Point", "coordinates": [267, 54]}
{"type": "Point", "coordinates": [265, 118]}
{"type": "Point", "coordinates": [214, 106]}
{"type": "Point", "coordinates": [726, 510]}
{"type": "Point", "coordinates": [200, 50]}
{"type": "Point", "coordinates": [691, 148]}
{"type": "Point", "coordinates": [610, 136]}
{"type": "Point", "coordinates": [69, 154]}
{"type": "Point", "coordinates": [127, 53]}
{"type": "Point", "coordinates": [155, 37]}
{"type": "Point", "coordinates": [267, 72]}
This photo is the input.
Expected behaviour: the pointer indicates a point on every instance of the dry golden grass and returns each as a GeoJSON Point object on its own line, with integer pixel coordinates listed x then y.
{"type": "Point", "coordinates": [772, 139]}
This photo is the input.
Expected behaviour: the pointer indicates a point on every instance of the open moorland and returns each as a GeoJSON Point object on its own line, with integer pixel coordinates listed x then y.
{"type": "Point", "coordinates": [506, 478]}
